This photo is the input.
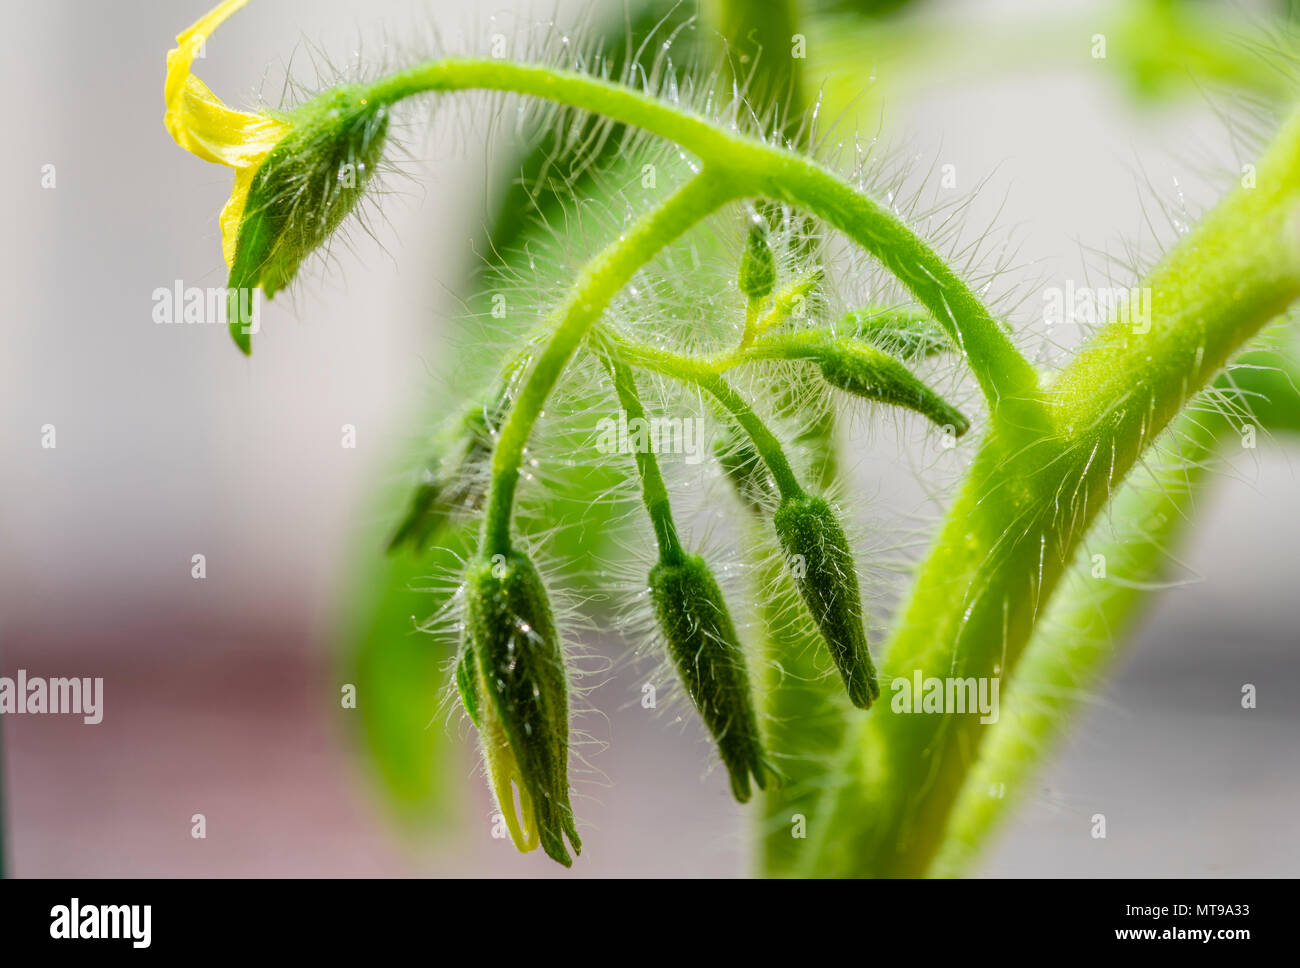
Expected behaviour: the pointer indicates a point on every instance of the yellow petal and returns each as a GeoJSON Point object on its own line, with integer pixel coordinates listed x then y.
{"type": "Point", "coordinates": [201, 124]}
{"type": "Point", "coordinates": [188, 44]}
{"type": "Point", "coordinates": [505, 779]}
{"type": "Point", "coordinates": [198, 120]}
{"type": "Point", "coordinates": [233, 212]}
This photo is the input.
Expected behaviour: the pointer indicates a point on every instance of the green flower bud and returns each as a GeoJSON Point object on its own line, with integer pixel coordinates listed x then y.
{"type": "Point", "coordinates": [708, 656]}
{"type": "Point", "coordinates": [426, 515]}
{"type": "Point", "coordinates": [865, 371]}
{"type": "Point", "coordinates": [307, 185]}
{"type": "Point", "coordinates": [456, 479]}
{"type": "Point", "coordinates": [757, 273]}
{"type": "Point", "coordinates": [910, 334]}
{"type": "Point", "coordinates": [817, 552]}
{"type": "Point", "coordinates": [745, 468]}
{"type": "Point", "coordinates": [521, 701]}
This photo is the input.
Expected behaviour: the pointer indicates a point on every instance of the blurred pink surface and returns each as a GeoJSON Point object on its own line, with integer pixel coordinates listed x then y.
{"type": "Point", "coordinates": [251, 736]}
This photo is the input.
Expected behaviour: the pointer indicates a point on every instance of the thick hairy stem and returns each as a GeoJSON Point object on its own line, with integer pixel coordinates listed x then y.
{"type": "Point", "coordinates": [755, 168]}
{"type": "Point", "coordinates": [1027, 503]}
{"type": "Point", "coordinates": [1083, 631]}
{"type": "Point", "coordinates": [599, 281]}
{"type": "Point", "coordinates": [1079, 637]}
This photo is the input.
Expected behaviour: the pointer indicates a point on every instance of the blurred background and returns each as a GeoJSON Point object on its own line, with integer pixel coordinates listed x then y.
{"type": "Point", "coordinates": [222, 694]}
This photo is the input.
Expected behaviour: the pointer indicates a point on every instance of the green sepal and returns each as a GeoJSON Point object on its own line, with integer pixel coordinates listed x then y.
{"type": "Point", "coordinates": [304, 189]}
{"type": "Point", "coordinates": [867, 372]}
{"type": "Point", "coordinates": [757, 273]}
{"type": "Point", "coordinates": [467, 683]}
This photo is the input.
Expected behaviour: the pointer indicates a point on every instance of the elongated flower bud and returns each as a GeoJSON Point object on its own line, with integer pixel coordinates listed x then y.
{"type": "Point", "coordinates": [455, 480]}
{"type": "Point", "coordinates": [910, 334]}
{"type": "Point", "coordinates": [757, 273]}
{"type": "Point", "coordinates": [745, 468]}
{"type": "Point", "coordinates": [426, 514]}
{"type": "Point", "coordinates": [708, 656]}
{"type": "Point", "coordinates": [522, 702]}
{"type": "Point", "coordinates": [819, 558]}
{"type": "Point", "coordinates": [456, 477]}
{"type": "Point", "coordinates": [865, 371]}
{"type": "Point", "coordinates": [310, 181]}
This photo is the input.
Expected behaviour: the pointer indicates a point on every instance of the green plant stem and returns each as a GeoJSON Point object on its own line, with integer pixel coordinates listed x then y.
{"type": "Point", "coordinates": [1004, 375]}
{"type": "Point", "coordinates": [809, 344]}
{"type": "Point", "coordinates": [1079, 636]}
{"type": "Point", "coordinates": [1082, 633]}
{"type": "Point", "coordinates": [751, 322]}
{"type": "Point", "coordinates": [687, 370]}
{"type": "Point", "coordinates": [754, 168]}
{"type": "Point", "coordinates": [1027, 503]}
{"type": "Point", "coordinates": [654, 493]}
{"type": "Point", "coordinates": [599, 281]}
{"type": "Point", "coordinates": [783, 346]}
{"type": "Point", "coordinates": [802, 345]}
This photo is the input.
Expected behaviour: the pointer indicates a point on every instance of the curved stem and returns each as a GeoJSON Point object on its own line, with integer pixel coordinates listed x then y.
{"type": "Point", "coordinates": [654, 493]}
{"type": "Point", "coordinates": [1083, 631]}
{"type": "Point", "coordinates": [599, 281]}
{"type": "Point", "coordinates": [755, 168]}
{"type": "Point", "coordinates": [765, 442]}
{"type": "Point", "coordinates": [701, 374]}
{"type": "Point", "coordinates": [1005, 376]}
{"type": "Point", "coordinates": [1078, 637]}
{"type": "Point", "coordinates": [803, 345]}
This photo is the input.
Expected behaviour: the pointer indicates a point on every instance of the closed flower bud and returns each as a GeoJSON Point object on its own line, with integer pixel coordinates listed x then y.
{"type": "Point", "coordinates": [708, 656]}
{"type": "Point", "coordinates": [426, 515]}
{"type": "Point", "coordinates": [309, 182]}
{"type": "Point", "coordinates": [455, 480]}
{"type": "Point", "coordinates": [522, 702]}
{"type": "Point", "coordinates": [817, 552]}
{"type": "Point", "coordinates": [910, 334]}
{"type": "Point", "coordinates": [745, 468]}
{"type": "Point", "coordinates": [757, 273]}
{"type": "Point", "coordinates": [865, 371]}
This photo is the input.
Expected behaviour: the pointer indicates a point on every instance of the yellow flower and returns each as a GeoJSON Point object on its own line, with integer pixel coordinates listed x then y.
{"type": "Point", "coordinates": [297, 175]}
{"type": "Point", "coordinates": [202, 125]}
